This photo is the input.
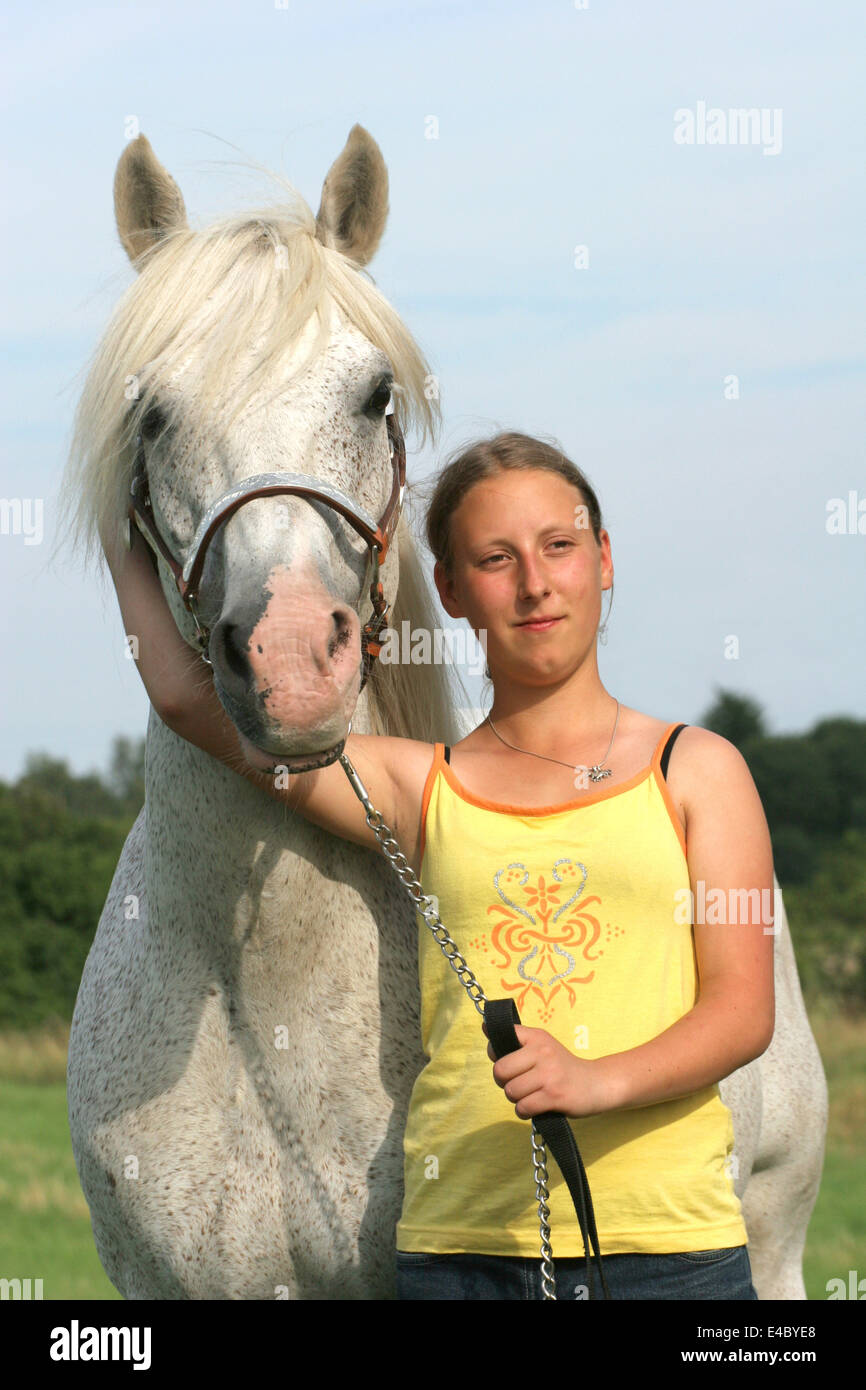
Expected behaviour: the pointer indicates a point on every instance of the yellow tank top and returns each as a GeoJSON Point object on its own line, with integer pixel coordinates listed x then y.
{"type": "Point", "coordinates": [569, 910]}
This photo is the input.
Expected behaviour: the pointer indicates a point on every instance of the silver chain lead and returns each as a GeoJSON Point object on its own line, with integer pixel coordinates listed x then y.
{"type": "Point", "coordinates": [424, 904]}
{"type": "Point", "coordinates": [539, 1163]}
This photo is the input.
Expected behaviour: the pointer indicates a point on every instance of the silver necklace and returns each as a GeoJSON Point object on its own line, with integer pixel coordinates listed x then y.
{"type": "Point", "coordinates": [596, 773]}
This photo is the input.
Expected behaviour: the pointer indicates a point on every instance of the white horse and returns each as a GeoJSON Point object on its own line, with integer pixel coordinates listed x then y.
{"type": "Point", "coordinates": [246, 1034]}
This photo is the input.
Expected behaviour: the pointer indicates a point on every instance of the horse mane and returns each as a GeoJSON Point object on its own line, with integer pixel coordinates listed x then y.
{"type": "Point", "coordinates": [408, 700]}
{"type": "Point", "coordinates": [253, 277]}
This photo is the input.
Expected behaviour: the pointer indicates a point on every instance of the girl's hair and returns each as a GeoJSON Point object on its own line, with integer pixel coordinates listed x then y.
{"type": "Point", "coordinates": [484, 459]}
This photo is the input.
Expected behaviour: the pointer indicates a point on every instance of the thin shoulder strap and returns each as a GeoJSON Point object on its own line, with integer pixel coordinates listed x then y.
{"type": "Point", "coordinates": [447, 753]}
{"type": "Point", "coordinates": [666, 753]}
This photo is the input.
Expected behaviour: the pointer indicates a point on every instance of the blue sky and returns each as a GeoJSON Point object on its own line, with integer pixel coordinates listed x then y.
{"type": "Point", "coordinates": [555, 129]}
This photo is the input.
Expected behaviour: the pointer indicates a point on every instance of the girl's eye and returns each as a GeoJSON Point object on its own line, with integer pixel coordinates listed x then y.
{"type": "Point", "coordinates": [500, 555]}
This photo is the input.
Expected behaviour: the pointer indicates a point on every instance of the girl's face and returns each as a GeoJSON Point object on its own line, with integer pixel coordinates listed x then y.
{"type": "Point", "coordinates": [523, 549]}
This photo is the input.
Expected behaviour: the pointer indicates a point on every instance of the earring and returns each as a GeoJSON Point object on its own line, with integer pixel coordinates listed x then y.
{"type": "Point", "coordinates": [602, 631]}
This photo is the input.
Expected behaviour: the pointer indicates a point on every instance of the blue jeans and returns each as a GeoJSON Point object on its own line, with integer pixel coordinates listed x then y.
{"type": "Point", "coordinates": [709, 1274]}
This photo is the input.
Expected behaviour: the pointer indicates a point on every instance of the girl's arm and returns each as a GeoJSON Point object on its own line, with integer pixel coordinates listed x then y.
{"type": "Point", "coordinates": [729, 849]}
{"type": "Point", "coordinates": [180, 687]}
{"type": "Point", "coordinates": [168, 666]}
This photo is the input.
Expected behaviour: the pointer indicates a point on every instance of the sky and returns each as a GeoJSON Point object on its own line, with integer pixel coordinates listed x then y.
{"type": "Point", "coordinates": [701, 359]}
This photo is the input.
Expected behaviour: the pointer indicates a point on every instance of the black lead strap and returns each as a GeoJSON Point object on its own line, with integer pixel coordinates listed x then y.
{"type": "Point", "coordinates": [500, 1016]}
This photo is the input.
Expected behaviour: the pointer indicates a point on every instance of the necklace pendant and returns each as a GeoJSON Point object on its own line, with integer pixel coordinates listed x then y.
{"type": "Point", "coordinates": [598, 773]}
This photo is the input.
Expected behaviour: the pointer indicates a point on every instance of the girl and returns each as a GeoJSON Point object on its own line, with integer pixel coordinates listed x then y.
{"type": "Point", "coordinates": [564, 839]}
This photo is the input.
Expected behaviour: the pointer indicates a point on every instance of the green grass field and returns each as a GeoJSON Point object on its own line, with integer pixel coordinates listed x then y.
{"type": "Point", "coordinates": [45, 1226]}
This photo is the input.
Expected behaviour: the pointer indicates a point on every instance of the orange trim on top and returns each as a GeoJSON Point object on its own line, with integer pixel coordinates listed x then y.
{"type": "Point", "coordinates": [656, 766]}
{"type": "Point", "coordinates": [438, 758]}
{"type": "Point", "coordinates": [508, 808]}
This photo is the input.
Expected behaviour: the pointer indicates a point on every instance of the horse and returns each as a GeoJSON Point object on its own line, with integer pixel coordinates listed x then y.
{"type": "Point", "coordinates": [246, 1034]}
{"type": "Point", "coordinates": [779, 1107]}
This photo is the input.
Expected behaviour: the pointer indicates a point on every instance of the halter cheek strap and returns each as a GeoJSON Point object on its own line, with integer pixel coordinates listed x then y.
{"type": "Point", "coordinates": [378, 535]}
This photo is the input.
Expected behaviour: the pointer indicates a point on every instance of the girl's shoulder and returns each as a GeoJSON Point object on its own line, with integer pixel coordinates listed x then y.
{"type": "Point", "coordinates": [701, 748]}
{"type": "Point", "coordinates": [707, 776]}
{"type": "Point", "coordinates": [693, 744]}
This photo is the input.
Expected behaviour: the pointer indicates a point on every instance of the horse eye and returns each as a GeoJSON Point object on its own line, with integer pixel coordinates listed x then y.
{"type": "Point", "coordinates": [153, 423]}
{"type": "Point", "coordinates": [378, 402]}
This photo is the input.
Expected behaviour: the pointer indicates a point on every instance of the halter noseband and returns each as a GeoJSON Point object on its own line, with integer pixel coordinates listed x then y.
{"type": "Point", "coordinates": [378, 535]}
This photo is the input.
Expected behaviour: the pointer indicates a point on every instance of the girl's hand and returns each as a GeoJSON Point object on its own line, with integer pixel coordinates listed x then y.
{"type": "Point", "coordinates": [543, 1075]}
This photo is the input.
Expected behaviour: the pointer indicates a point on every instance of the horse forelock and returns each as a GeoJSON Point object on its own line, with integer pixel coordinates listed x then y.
{"type": "Point", "coordinates": [256, 278]}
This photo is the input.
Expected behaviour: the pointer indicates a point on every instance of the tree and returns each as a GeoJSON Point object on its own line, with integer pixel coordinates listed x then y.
{"type": "Point", "coordinates": [841, 744]}
{"type": "Point", "coordinates": [796, 785]}
{"type": "Point", "coordinates": [126, 771]}
{"type": "Point", "coordinates": [83, 796]}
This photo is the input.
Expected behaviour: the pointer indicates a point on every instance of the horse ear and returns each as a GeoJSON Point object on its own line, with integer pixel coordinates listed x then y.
{"type": "Point", "coordinates": [147, 201]}
{"type": "Point", "coordinates": [354, 206]}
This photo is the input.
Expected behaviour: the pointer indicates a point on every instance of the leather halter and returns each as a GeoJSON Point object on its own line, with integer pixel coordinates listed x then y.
{"type": "Point", "coordinates": [378, 535]}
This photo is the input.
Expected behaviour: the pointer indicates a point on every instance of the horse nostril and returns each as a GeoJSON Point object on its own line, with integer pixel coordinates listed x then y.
{"type": "Point", "coordinates": [342, 630]}
{"type": "Point", "coordinates": [236, 653]}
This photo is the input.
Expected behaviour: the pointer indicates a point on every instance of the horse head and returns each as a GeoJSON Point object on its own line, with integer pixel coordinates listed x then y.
{"type": "Point", "coordinates": [254, 351]}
